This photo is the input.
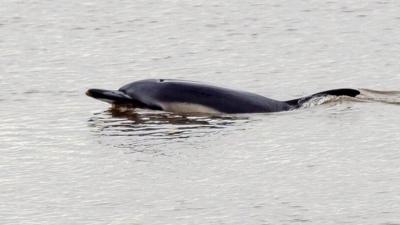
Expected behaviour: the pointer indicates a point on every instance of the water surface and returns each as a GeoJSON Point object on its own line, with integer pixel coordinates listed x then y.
{"type": "Point", "coordinates": [67, 159]}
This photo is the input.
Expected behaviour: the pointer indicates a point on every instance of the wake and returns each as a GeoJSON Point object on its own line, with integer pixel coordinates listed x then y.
{"type": "Point", "coordinates": [367, 95]}
{"type": "Point", "coordinates": [388, 97]}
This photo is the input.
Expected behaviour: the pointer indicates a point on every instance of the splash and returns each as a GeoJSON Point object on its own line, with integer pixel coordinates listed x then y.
{"type": "Point", "coordinates": [323, 100]}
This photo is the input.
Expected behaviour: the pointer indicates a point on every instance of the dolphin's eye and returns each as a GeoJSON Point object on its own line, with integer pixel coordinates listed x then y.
{"type": "Point", "coordinates": [161, 80]}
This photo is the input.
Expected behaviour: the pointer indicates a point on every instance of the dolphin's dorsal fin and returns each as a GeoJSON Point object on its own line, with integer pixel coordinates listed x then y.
{"type": "Point", "coordinates": [296, 103]}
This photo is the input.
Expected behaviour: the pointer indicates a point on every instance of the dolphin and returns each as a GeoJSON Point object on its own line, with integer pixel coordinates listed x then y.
{"type": "Point", "coordinates": [180, 96]}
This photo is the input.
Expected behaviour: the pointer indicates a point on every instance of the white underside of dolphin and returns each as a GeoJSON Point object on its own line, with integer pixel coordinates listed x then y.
{"type": "Point", "coordinates": [184, 107]}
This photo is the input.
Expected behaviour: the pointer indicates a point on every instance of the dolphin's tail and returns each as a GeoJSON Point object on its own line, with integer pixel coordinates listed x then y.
{"type": "Point", "coordinates": [113, 97]}
{"type": "Point", "coordinates": [297, 103]}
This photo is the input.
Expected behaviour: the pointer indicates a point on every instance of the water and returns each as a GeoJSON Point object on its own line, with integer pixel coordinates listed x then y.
{"type": "Point", "coordinates": [68, 159]}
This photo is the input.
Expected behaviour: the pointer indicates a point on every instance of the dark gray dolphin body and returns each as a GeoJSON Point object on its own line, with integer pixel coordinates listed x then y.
{"type": "Point", "coordinates": [192, 97]}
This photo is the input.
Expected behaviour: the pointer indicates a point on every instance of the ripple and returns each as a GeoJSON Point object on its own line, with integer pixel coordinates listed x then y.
{"type": "Point", "coordinates": [147, 129]}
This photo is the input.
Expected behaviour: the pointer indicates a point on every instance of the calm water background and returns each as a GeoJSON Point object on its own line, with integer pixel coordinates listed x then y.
{"type": "Point", "coordinates": [66, 159]}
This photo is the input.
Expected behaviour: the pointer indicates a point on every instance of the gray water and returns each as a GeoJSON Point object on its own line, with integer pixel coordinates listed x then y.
{"type": "Point", "coordinates": [67, 159]}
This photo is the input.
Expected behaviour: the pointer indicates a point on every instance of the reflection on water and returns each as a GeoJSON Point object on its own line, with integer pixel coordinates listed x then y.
{"type": "Point", "coordinates": [157, 127]}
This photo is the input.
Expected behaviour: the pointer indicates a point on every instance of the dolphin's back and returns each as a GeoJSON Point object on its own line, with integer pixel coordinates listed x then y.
{"type": "Point", "coordinates": [162, 94]}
